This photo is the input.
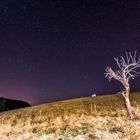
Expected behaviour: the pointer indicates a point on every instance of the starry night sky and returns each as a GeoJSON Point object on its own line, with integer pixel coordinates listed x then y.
{"type": "Point", "coordinates": [58, 49]}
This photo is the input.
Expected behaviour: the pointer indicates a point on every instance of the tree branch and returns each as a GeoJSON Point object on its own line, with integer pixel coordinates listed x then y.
{"type": "Point", "coordinates": [127, 68]}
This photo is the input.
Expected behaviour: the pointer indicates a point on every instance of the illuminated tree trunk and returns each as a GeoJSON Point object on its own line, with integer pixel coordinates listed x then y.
{"type": "Point", "coordinates": [131, 114]}
{"type": "Point", "coordinates": [128, 107]}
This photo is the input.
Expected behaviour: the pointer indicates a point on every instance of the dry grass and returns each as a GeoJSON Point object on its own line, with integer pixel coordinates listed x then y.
{"type": "Point", "coordinates": [97, 118]}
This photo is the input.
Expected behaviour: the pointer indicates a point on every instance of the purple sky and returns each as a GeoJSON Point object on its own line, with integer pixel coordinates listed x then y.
{"type": "Point", "coordinates": [58, 49]}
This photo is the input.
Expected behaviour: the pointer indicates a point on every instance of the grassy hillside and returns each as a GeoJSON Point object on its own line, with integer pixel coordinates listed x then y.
{"type": "Point", "coordinates": [100, 117]}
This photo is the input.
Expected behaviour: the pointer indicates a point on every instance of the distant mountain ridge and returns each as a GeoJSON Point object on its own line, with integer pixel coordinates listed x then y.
{"type": "Point", "coordinates": [10, 104]}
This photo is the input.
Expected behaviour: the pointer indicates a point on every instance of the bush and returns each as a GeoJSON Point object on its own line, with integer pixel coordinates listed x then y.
{"type": "Point", "coordinates": [2, 104]}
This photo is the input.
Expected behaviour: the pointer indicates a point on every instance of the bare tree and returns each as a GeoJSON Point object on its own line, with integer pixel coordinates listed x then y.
{"type": "Point", "coordinates": [127, 69]}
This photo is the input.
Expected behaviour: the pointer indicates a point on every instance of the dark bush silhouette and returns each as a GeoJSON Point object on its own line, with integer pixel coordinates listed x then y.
{"type": "Point", "coordinates": [8, 104]}
{"type": "Point", "coordinates": [2, 104]}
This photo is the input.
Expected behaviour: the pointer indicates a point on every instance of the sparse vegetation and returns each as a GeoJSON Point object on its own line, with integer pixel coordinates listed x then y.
{"type": "Point", "coordinates": [73, 120]}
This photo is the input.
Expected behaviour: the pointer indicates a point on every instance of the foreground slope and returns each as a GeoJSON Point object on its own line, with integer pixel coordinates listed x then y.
{"type": "Point", "coordinates": [101, 117]}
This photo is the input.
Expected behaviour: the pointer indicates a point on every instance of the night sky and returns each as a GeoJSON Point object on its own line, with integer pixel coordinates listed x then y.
{"type": "Point", "coordinates": [58, 49]}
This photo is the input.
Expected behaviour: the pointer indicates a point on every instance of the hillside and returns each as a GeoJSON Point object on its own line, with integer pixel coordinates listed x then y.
{"type": "Point", "coordinates": [100, 118]}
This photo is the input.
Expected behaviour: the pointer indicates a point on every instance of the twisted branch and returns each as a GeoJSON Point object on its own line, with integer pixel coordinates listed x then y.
{"type": "Point", "coordinates": [127, 68]}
